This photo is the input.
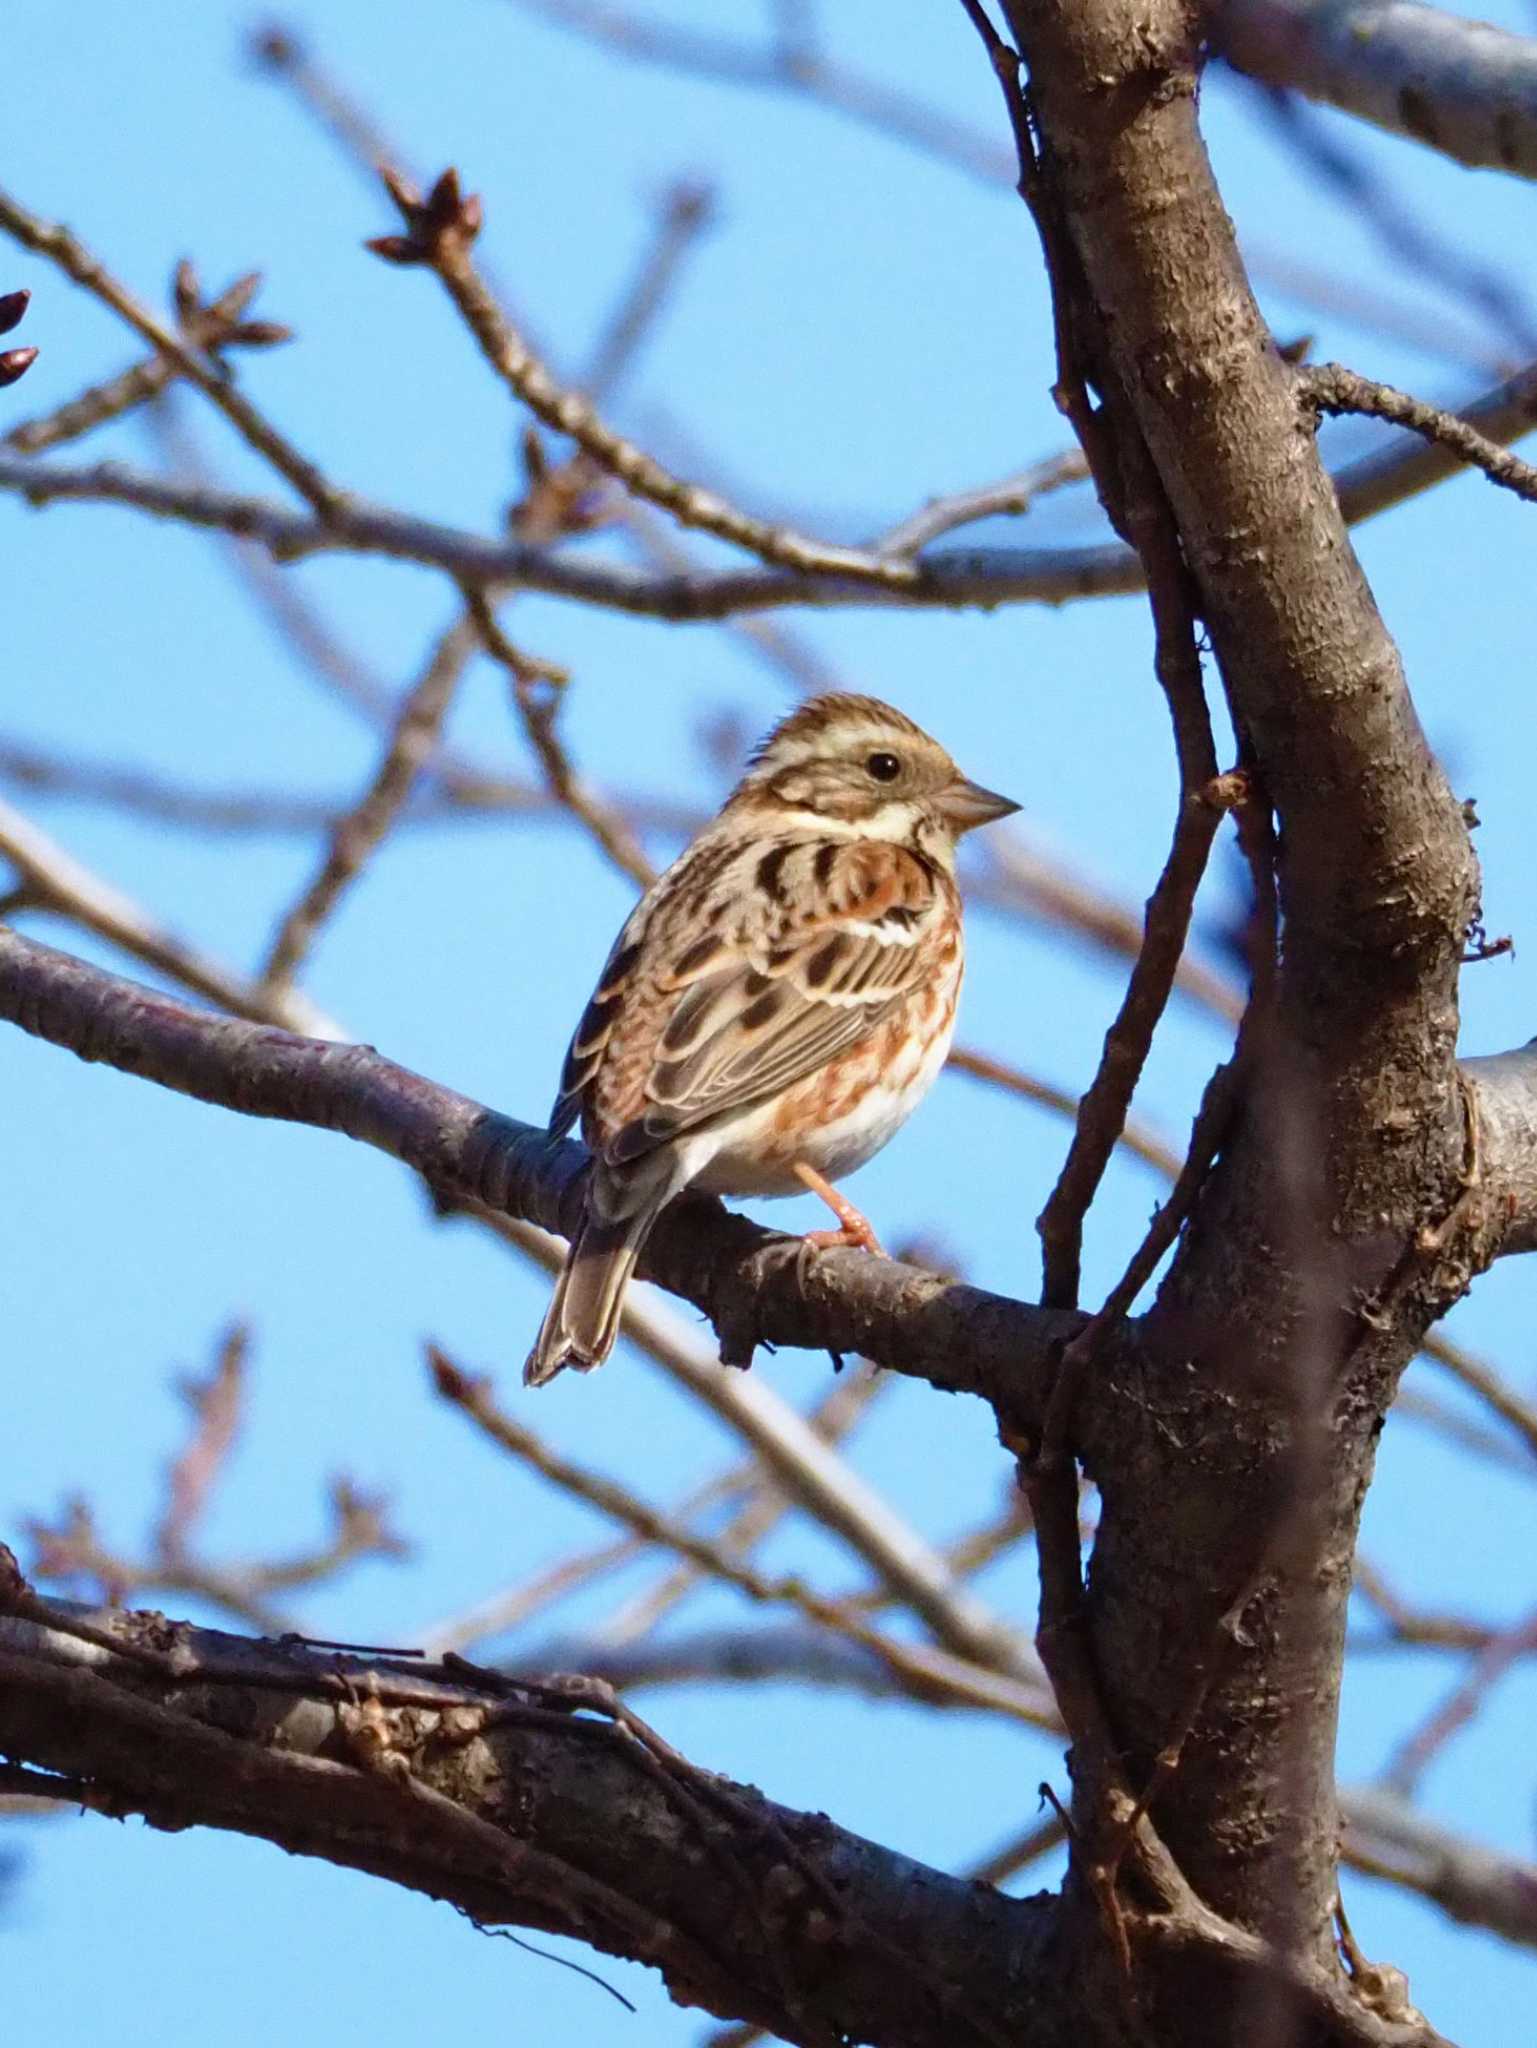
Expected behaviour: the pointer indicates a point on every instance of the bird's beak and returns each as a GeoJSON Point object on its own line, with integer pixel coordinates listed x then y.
{"type": "Point", "coordinates": [968, 804]}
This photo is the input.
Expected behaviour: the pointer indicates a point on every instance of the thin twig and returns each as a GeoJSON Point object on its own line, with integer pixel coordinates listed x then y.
{"type": "Point", "coordinates": [1331, 388]}
{"type": "Point", "coordinates": [1142, 1143]}
{"type": "Point", "coordinates": [1411, 1626]}
{"type": "Point", "coordinates": [948, 579]}
{"type": "Point", "coordinates": [826, 1486]}
{"type": "Point", "coordinates": [219, 325]}
{"type": "Point", "coordinates": [535, 691]}
{"type": "Point", "coordinates": [216, 1409]}
{"type": "Point", "coordinates": [61, 883]}
{"type": "Point", "coordinates": [821, 80]}
{"type": "Point", "coordinates": [1416, 249]}
{"type": "Point", "coordinates": [439, 231]}
{"type": "Point", "coordinates": [1464, 1431]}
{"type": "Point", "coordinates": [194, 807]}
{"type": "Point", "coordinates": [1011, 494]}
{"type": "Point", "coordinates": [1481, 1379]}
{"type": "Point", "coordinates": [782, 68]}
{"type": "Point", "coordinates": [926, 1669]}
{"type": "Point", "coordinates": [509, 1609]}
{"type": "Point", "coordinates": [1102, 1111]}
{"type": "Point", "coordinates": [73, 1549]}
{"type": "Point", "coordinates": [76, 261]}
{"type": "Point", "coordinates": [763, 1505]}
{"type": "Point", "coordinates": [1414, 1755]}
{"type": "Point", "coordinates": [685, 214]}
{"type": "Point", "coordinates": [502, 1612]}
{"type": "Point", "coordinates": [358, 835]}
{"type": "Point", "coordinates": [281, 50]}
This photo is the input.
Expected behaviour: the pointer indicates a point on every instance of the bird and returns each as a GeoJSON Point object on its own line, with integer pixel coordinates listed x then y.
{"type": "Point", "coordinates": [775, 1006]}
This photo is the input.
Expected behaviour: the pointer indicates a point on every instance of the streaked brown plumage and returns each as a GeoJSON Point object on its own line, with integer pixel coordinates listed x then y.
{"type": "Point", "coordinates": [777, 1003]}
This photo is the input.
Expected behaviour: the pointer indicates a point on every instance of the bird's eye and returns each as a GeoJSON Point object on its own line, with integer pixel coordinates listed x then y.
{"type": "Point", "coordinates": [883, 767]}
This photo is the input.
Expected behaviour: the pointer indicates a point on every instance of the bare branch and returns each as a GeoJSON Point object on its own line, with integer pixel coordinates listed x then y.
{"type": "Point", "coordinates": [221, 324]}
{"type": "Point", "coordinates": [1011, 494]}
{"type": "Point", "coordinates": [1102, 1111]}
{"type": "Point", "coordinates": [439, 231]}
{"type": "Point", "coordinates": [951, 578]}
{"type": "Point", "coordinates": [536, 692]}
{"type": "Point", "coordinates": [1481, 1380]}
{"type": "Point", "coordinates": [925, 1670]}
{"type": "Point", "coordinates": [1139, 1141]}
{"type": "Point", "coordinates": [73, 1549]}
{"type": "Point", "coordinates": [355, 837]}
{"type": "Point", "coordinates": [195, 807]}
{"type": "Point", "coordinates": [411, 1786]}
{"type": "Point", "coordinates": [686, 213]}
{"type": "Point", "coordinates": [783, 68]}
{"type": "Point", "coordinates": [1363, 185]}
{"type": "Point", "coordinates": [1464, 87]}
{"type": "Point", "coordinates": [761, 1506]}
{"type": "Point", "coordinates": [745, 1278]}
{"type": "Point", "coordinates": [282, 50]}
{"type": "Point", "coordinates": [216, 1409]}
{"type": "Point", "coordinates": [1331, 388]}
{"type": "Point", "coordinates": [955, 579]}
{"type": "Point", "coordinates": [59, 882]}
{"type": "Point", "coordinates": [1385, 1837]}
{"type": "Point", "coordinates": [812, 1473]}
{"type": "Point", "coordinates": [213, 380]}
{"type": "Point", "coordinates": [1413, 1756]}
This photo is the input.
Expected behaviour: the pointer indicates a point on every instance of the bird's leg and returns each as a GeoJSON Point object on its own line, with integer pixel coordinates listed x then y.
{"type": "Point", "coordinates": [853, 1228]}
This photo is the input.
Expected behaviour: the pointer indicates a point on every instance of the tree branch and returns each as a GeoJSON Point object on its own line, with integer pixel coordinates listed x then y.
{"type": "Point", "coordinates": [1464, 87]}
{"type": "Point", "coordinates": [213, 327]}
{"type": "Point", "coordinates": [745, 1278]}
{"type": "Point", "coordinates": [502, 1796]}
{"type": "Point", "coordinates": [502, 1800]}
{"type": "Point", "coordinates": [57, 881]}
{"type": "Point", "coordinates": [354, 837]}
{"type": "Point", "coordinates": [1505, 1094]}
{"type": "Point", "coordinates": [1330, 387]}
{"type": "Point", "coordinates": [439, 232]}
{"type": "Point", "coordinates": [213, 380]}
{"type": "Point", "coordinates": [1385, 1837]}
{"type": "Point", "coordinates": [948, 578]}
{"type": "Point", "coordinates": [927, 1672]}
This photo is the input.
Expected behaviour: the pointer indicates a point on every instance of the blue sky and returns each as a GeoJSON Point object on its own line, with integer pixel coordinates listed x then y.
{"type": "Point", "coordinates": [860, 330]}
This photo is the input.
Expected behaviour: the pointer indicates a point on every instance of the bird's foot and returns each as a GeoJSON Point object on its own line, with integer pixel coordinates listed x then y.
{"type": "Point", "coordinates": [854, 1229]}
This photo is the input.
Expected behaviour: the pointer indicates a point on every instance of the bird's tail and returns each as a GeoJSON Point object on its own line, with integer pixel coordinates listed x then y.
{"type": "Point", "coordinates": [582, 1320]}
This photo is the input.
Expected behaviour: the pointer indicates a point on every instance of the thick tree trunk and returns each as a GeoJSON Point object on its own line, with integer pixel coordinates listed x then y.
{"type": "Point", "coordinates": [1297, 1296]}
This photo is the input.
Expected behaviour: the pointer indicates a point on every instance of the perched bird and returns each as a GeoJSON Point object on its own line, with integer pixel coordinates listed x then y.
{"type": "Point", "coordinates": [777, 1004]}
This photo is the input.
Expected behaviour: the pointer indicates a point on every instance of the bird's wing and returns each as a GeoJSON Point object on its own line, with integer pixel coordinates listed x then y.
{"type": "Point", "coordinates": [844, 936]}
{"type": "Point", "coordinates": [592, 1034]}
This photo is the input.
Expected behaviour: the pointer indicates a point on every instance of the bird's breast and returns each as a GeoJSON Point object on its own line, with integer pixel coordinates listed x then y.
{"type": "Point", "coordinates": [839, 1117]}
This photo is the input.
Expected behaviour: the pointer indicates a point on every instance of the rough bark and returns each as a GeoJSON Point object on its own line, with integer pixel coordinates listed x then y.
{"type": "Point", "coordinates": [529, 1803]}
{"type": "Point", "coordinates": [1266, 1381]}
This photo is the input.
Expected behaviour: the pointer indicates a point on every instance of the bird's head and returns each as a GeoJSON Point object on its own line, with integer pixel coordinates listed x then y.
{"type": "Point", "coordinates": [859, 763]}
